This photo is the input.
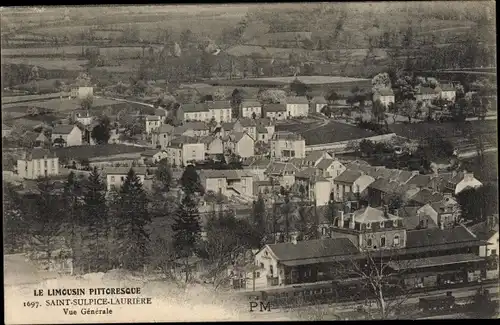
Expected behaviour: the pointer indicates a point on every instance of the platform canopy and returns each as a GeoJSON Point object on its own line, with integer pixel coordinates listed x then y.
{"type": "Point", "coordinates": [434, 261]}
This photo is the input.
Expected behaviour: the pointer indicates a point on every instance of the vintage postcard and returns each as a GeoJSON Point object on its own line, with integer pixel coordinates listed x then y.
{"type": "Point", "coordinates": [257, 161]}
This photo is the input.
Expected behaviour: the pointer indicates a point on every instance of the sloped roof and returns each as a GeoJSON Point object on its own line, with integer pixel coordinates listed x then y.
{"type": "Point", "coordinates": [403, 176]}
{"type": "Point", "coordinates": [181, 140]}
{"type": "Point", "coordinates": [426, 91]}
{"type": "Point", "coordinates": [385, 92]}
{"type": "Point", "coordinates": [214, 173]}
{"type": "Point", "coordinates": [285, 135]}
{"type": "Point", "coordinates": [278, 168]}
{"type": "Point", "coordinates": [420, 180]}
{"type": "Point", "coordinates": [436, 236]}
{"type": "Point", "coordinates": [307, 173]}
{"type": "Point", "coordinates": [153, 118]}
{"type": "Point", "coordinates": [319, 100]}
{"type": "Point", "coordinates": [219, 104]}
{"type": "Point", "coordinates": [194, 107]}
{"type": "Point", "coordinates": [482, 231]}
{"type": "Point", "coordinates": [247, 122]}
{"type": "Point", "coordinates": [384, 185]}
{"type": "Point", "coordinates": [261, 128]}
{"type": "Point", "coordinates": [370, 214]}
{"type": "Point", "coordinates": [296, 100]}
{"type": "Point", "coordinates": [250, 103]}
{"type": "Point", "coordinates": [150, 153]}
{"type": "Point", "coordinates": [325, 163]}
{"type": "Point", "coordinates": [313, 249]}
{"type": "Point", "coordinates": [275, 107]}
{"type": "Point", "coordinates": [196, 125]}
{"type": "Point", "coordinates": [237, 136]}
{"type": "Point", "coordinates": [411, 219]}
{"type": "Point", "coordinates": [447, 87]}
{"type": "Point", "coordinates": [124, 170]}
{"type": "Point", "coordinates": [208, 139]}
{"type": "Point", "coordinates": [314, 156]}
{"type": "Point", "coordinates": [164, 128]}
{"type": "Point", "coordinates": [228, 125]}
{"type": "Point", "coordinates": [348, 176]}
{"type": "Point", "coordinates": [426, 196]}
{"type": "Point", "coordinates": [255, 161]}
{"type": "Point", "coordinates": [63, 129]}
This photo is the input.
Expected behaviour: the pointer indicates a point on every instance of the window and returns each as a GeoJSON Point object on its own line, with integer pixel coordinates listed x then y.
{"type": "Point", "coordinates": [45, 162]}
{"type": "Point", "coordinates": [395, 223]}
{"type": "Point", "coordinates": [112, 178]}
{"type": "Point", "coordinates": [396, 240]}
{"type": "Point", "coordinates": [382, 241]}
{"type": "Point", "coordinates": [369, 242]}
{"type": "Point", "coordinates": [257, 274]}
{"type": "Point", "coordinates": [194, 153]}
{"type": "Point", "coordinates": [164, 136]}
{"type": "Point", "coordinates": [122, 178]}
{"type": "Point", "coordinates": [261, 265]}
{"type": "Point", "coordinates": [368, 225]}
{"type": "Point", "coordinates": [382, 224]}
{"type": "Point", "coordinates": [271, 270]}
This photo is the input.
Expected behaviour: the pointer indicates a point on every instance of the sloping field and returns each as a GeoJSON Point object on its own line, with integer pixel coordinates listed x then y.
{"type": "Point", "coordinates": [87, 151]}
{"type": "Point", "coordinates": [60, 105]}
{"type": "Point", "coordinates": [48, 63]}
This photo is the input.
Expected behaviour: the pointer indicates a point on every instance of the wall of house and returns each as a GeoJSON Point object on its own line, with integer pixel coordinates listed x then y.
{"type": "Point", "coordinates": [117, 180]}
{"type": "Point", "coordinates": [248, 111]}
{"type": "Point", "coordinates": [252, 131]}
{"type": "Point", "coordinates": [74, 138]}
{"type": "Point", "coordinates": [162, 140]}
{"type": "Point", "coordinates": [287, 180]}
{"type": "Point", "coordinates": [257, 172]}
{"type": "Point", "coordinates": [85, 120]}
{"type": "Point", "coordinates": [276, 115]}
{"type": "Point", "coordinates": [376, 237]}
{"type": "Point", "coordinates": [245, 147]}
{"type": "Point", "coordinates": [493, 247]}
{"type": "Point", "coordinates": [32, 169]}
{"type": "Point", "coordinates": [151, 125]}
{"type": "Point", "coordinates": [294, 110]}
{"type": "Point", "coordinates": [449, 95]}
{"type": "Point", "coordinates": [322, 192]}
{"type": "Point", "coordinates": [266, 260]}
{"type": "Point", "coordinates": [216, 185]}
{"type": "Point", "coordinates": [215, 147]}
{"type": "Point", "coordinates": [468, 181]}
{"type": "Point", "coordinates": [335, 169]}
{"type": "Point", "coordinates": [264, 137]}
{"type": "Point", "coordinates": [174, 156]}
{"type": "Point", "coordinates": [221, 115]}
{"type": "Point", "coordinates": [244, 186]}
{"type": "Point", "coordinates": [362, 183]}
{"type": "Point", "coordinates": [277, 147]}
{"type": "Point", "coordinates": [193, 151]}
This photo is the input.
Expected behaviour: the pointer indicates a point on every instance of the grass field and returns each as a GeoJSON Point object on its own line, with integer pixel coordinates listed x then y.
{"type": "Point", "coordinates": [59, 105]}
{"type": "Point", "coordinates": [329, 133]}
{"type": "Point", "coordinates": [87, 151]}
{"type": "Point", "coordinates": [48, 63]}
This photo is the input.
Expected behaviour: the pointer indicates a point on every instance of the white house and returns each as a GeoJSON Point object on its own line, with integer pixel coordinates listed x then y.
{"type": "Point", "coordinates": [317, 103]}
{"type": "Point", "coordinates": [385, 95]}
{"type": "Point", "coordinates": [152, 123]}
{"type": "Point", "coordinates": [66, 135]}
{"type": "Point", "coordinates": [286, 145]}
{"type": "Point", "coordinates": [468, 181]}
{"type": "Point", "coordinates": [275, 111]}
{"type": "Point", "coordinates": [161, 136]}
{"type": "Point", "coordinates": [153, 156]}
{"type": "Point", "coordinates": [228, 182]}
{"type": "Point", "coordinates": [448, 92]}
{"type": "Point", "coordinates": [239, 143]}
{"type": "Point", "coordinates": [251, 109]}
{"type": "Point", "coordinates": [213, 145]}
{"type": "Point", "coordinates": [297, 106]}
{"type": "Point", "coordinates": [81, 92]}
{"type": "Point", "coordinates": [115, 176]}
{"type": "Point", "coordinates": [37, 163]}
{"type": "Point", "coordinates": [488, 231]}
{"type": "Point", "coordinates": [184, 149]}
{"type": "Point", "coordinates": [83, 116]}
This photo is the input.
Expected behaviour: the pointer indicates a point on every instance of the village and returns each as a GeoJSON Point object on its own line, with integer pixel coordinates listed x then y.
{"type": "Point", "coordinates": [291, 188]}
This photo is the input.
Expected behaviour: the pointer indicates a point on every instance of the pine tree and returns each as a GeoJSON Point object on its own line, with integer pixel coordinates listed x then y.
{"type": "Point", "coordinates": [95, 222]}
{"type": "Point", "coordinates": [15, 225]}
{"type": "Point", "coordinates": [133, 218]}
{"type": "Point", "coordinates": [259, 215]}
{"type": "Point", "coordinates": [72, 211]}
{"type": "Point", "coordinates": [186, 229]}
{"type": "Point", "coordinates": [163, 177]}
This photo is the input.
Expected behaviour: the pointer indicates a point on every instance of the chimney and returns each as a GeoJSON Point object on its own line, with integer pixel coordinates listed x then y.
{"type": "Point", "coordinates": [351, 222]}
{"type": "Point", "coordinates": [341, 220]}
{"type": "Point", "coordinates": [415, 173]}
{"type": "Point", "coordinates": [441, 225]}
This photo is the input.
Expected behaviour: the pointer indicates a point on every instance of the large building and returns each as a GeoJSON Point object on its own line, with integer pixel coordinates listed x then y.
{"type": "Point", "coordinates": [287, 145]}
{"type": "Point", "coordinates": [67, 136]}
{"type": "Point", "coordinates": [221, 111]}
{"type": "Point", "coordinates": [116, 176]}
{"type": "Point", "coordinates": [38, 163]}
{"type": "Point", "coordinates": [184, 149]}
{"type": "Point", "coordinates": [228, 182]}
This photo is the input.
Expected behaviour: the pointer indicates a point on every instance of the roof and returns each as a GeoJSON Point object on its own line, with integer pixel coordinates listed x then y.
{"type": "Point", "coordinates": [297, 100]}
{"type": "Point", "coordinates": [261, 128]}
{"type": "Point", "coordinates": [228, 125]}
{"type": "Point", "coordinates": [482, 231]}
{"type": "Point", "coordinates": [123, 170]}
{"type": "Point", "coordinates": [403, 176]}
{"type": "Point", "coordinates": [6, 127]}
{"type": "Point", "coordinates": [247, 122]}
{"type": "Point", "coordinates": [385, 92]}
{"type": "Point", "coordinates": [39, 153]}
{"type": "Point", "coordinates": [164, 128]}
{"type": "Point", "coordinates": [437, 236]}
{"type": "Point", "coordinates": [314, 156]}
{"type": "Point", "coordinates": [181, 140]}
{"type": "Point", "coordinates": [447, 87]}
{"type": "Point", "coordinates": [63, 129]}
{"type": "Point", "coordinates": [153, 118]}
{"type": "Point", "coordinates": [383, 185]}
{"type": "Point", "coordinates": [420, 180]}
{"type": "Point", "coordinates": [255, 161]}
{"type": "Point", "coordinates": [348, 176]}
{"type": "Point", "coordinates": [195, 125]}
{"type": "Point", "coordinates": [411, 218]}
{"type": "Point", "coordinates": [325, 163]}
{"type": "Point", "coordinates": [426, 91]}
{"type": "Point", "coordinates": [194, 107]}
{"type": "Point", "coordinates": [312, 249]}
{"type": "Point", "coordinates": [274, 107]}
{"type": "Point", "coordinates": [309, 172]}
{"type": "Point", "coordinates": [288, 136]}
{"type": "Point", "coordinates": [150, 153]}
{"type": "Point", "coordinates": [224, 173]}
{"type": "Point", "coordinates": [208, 139]}
{"type": "Point", "coordinates": [278, 168]}
{"type": "Point", "coordinates": [237, 136]}
{"type": "Point", "coordinates": [250, 103]}
{"type": "Point", "coordinates": [434, 261]}
{"type": "Point", "coordinates": [219, 104]}
{"type": "Point", "coordinates": [426, 196]}
{"type": "Point", "coordinates": [370, 214]}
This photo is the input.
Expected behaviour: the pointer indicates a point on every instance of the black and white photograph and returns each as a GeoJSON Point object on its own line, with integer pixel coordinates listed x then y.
{"type": "Point", "coordinates": [249, 162]}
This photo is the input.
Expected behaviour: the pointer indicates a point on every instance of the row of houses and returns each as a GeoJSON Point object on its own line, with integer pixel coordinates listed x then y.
{"type": "Point", "coordinates": [423, 94]}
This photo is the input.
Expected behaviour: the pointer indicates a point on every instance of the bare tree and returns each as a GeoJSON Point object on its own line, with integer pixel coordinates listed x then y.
{"type": "Point", "coordinates": [382, 280]}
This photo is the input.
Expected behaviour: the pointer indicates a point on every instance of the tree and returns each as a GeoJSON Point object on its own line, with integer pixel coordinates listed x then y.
{"type": "Point", "coordinates": [212, 123]}
{"type": "Point", "coordinates": [102, 131]}
{"type": "Point", "coordinates": [367, 147]}
{"type": "Point", "coordinates": [236, 100]}
{"type": "Point", "coordinates": [381, 81]}
{"type": "Point", "coordinates": [186, 229]}
{"type": "Point", "coordinates": [408, 109]}
{"type": "Point", "coordinates": [72, 210]}
{"type": "Point", "coordinates": [86, 103]}
{"type": "Point", "coordinates": [332, 96]}
{"type": "Point", "coordinates": [163, 177]}
{"type": "Point", "coordinates": [132, 220]}
{"type": "Point", "coordinates": [190, 180]}
{"type": "Point", "coordinates": [219, 94]}
{"type": "Point", "coordinates": [405, 88]}
{"type": "Point", "coordinates": [95, 235]}
{"type": "Point", "coordinates": [378, 110]}
{"type": "Point", "coordinates": [259, 216]}
{"type": "Point", "coordinates": [15, 220]}
{"type": "Point", "coordinates": [378, 281]}
{"type": "Point", "coordinates": [478, 203]}
{"type": "Point", "coordinates": [271, 96]}
{"type": "Point", "coordinates": [299, 88]}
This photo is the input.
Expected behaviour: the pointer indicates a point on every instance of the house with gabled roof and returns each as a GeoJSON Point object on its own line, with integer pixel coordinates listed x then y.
{"type": "Point", "coordinates": [284, 172]}
{"type": "Point", "coordinates": [257, 166]}
{"type": "Point", "coordinates": [153, 122]}
{"type": "Point", "coordinates": [194, 112]}
{"type": "Point", "coordinates": [350, 181]}
{"type": "Point", "coordinates": [275, 111]}
{"type": "Point", "coordinates": [153, 156]}
{"type": "Point", "coordinates": [161, 136]}
{"type": "Point", "coordinates": [425, 196]}
{"type": "Point", "coordinates": [183, 150]}
{"type": "Point", "coordinates": [251, 108]}
{"type": "Point", "coordinates": [228, 182]}
{"type": "Point", "coordinates": [296, 106]}
{"type": "Point", "coordinates": [317, 104]}
{"type": "Point", "coordinates": [330, 168]}
{"type": "Point", "coordinates": [488, 232]}
{"type": "Point", "coordinates": [445, 213]}
{"type": "Point", "coordinates": [192, 129]}
{"type": "Point", "coordinates": [116, 176]}
{"type": "Point", "coordinates": [213, 145]}
{"type": "Point", "coordinates": [427, 94]}
{"type": "Point", "coordinates": [246, 125]}
{"type": "Point", "coordinates": [66, 135]}
{"type": "Point", "coordinates": [385, 96]}
{"type": "Point", "coordinates": [287, 145]}
{"type": "Point", "coordinates": [36, 163]}
{"type": "Point", "coordinates": [448, 92]}
{"type": "Point", "coordinates": [239, 143]}
{"type": "Point", "coordinates": [415, 220]}
{"type": "Point", "coordinates": [220, 110]}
